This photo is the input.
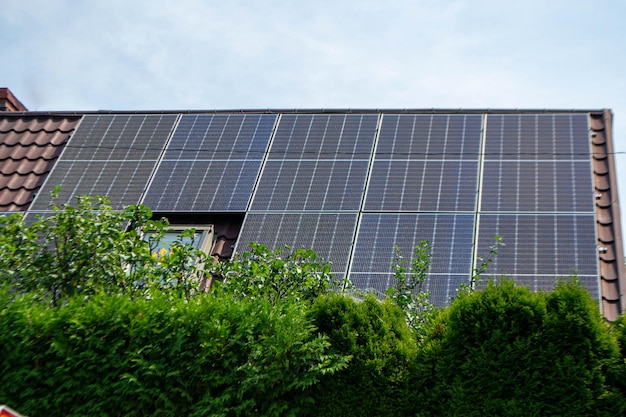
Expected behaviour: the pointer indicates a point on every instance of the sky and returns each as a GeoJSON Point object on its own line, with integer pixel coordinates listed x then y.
{"type": "Point", "coordinates": [233, 54]}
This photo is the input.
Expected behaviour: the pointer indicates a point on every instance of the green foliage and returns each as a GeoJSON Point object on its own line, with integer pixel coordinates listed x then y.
{"type": "Point", "coordinates": [510, 352]}
{"type": "Point", "coordinates": [90, 248]}
{"type": "Point", "coordinates": [128, 337]}
{"type": "Point", "coordinates": [382, 350]}
{"type": "Point", "coordinates": [483, 265]}
{"type": "Point", "coordinates": [407, 292]}
{"type": "Point", "coordinates": [277, 276]}
{"type": "Point", "coordinates": [113, 355]}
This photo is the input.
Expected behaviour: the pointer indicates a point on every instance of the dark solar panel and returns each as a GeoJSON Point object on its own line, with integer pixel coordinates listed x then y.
{"type": "Point", "coordinates": [425, 163]}
{"type": "Point", "coordinates": [317, 162]}
{"type": "Point", "coordinates": [541, 244]}
{"type": "Point", "coordinates": [324, 136]}
{"type": "Point", "coordinates": [329, 185]}
{"type": "Point", "coordinates": [537, 137]}
{"type": "Point", "coordinates": [329, 235]}
{"type": "Point", "coordinates": [351, 186]}
{"type": "Point", "coordinates": [411, 185]}
{"type": "Point", "coordinates": [422, 136]}
{"type": "Point", "coordinates": [221, 136]}
{"type": "Point", "coordinates": [202, 185]}
{"type": "Point", "coordinates": [450, 235]}
{"type": "Point", "coordinates": [211, 163]}
{"type": "Point", "coordinates": [112, 155]}
{"type": "Point", "coordinates": [513, 185]}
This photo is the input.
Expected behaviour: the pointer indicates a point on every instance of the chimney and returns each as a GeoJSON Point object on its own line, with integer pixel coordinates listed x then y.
{"type": "Point", "coordinates": [8, 102]}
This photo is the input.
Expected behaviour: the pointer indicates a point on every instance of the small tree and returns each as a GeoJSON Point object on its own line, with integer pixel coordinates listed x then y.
{"type": "Point", "coordinates": [90, 248]}
{"type": "Point", "coordinates": [407, 291]}
{"type": "Point", "coordinates": [276, 275]}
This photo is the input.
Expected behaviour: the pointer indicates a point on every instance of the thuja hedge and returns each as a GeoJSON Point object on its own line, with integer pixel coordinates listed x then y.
{"type": "Point", "coordinates": [377, 381]}
{"type": "Point", "coordinates": [507, 351]}
{"type": "Point", "coordinates": [503, 351]}
{"type": "Point", "coordinates": [209, 356]}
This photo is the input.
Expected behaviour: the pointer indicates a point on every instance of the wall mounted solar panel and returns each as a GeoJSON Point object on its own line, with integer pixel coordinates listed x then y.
{"type": "Point", "coordinates": [211, 163]}
{"type": "Point", "coordinates": [537, 193]}
{"type": "Point", "coordinates": [108, 155]}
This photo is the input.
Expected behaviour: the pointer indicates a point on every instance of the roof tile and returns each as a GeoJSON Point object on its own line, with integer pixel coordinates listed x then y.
{"type": "Point", "coordinates": [15, 200]}
{"type": "Point", "coordinates": [30, 181]}
{"type": "Point", "coordinates": [31, 153]}
{"type": "Point", "coordinates": [48, 124]}
{"type": "Point", "coordinates": [41, 138]}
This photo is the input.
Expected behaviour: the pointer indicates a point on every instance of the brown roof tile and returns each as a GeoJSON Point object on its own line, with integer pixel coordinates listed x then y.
{"type": "Point", "coordinates": [25, 166]}
{"type": "Point", "coordinates": [41, 138]}
{"type": "Point", "coordinates": [30, 181]}
{"type": "Point", "coordinates": [612, 274]}
{"type": "Point", "coordinates": [48, 124]}
{"type": "Point", "coordinates": [29, 147]}
{"type": "Point", "coordinates": [31, 153]}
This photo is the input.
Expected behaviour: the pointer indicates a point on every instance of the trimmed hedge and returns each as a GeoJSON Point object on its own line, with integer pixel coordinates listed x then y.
{"type": "Point", "coordinates": [210, 356]}
{"type": "Point", "coordinates": [502, 351]}
{"type": "Point", "coordinates": [509, 352]}
{"type": "Point", "coordinates": [382, 350]}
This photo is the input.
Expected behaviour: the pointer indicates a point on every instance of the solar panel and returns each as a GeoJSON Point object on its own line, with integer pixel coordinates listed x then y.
{"type": "Point", "coordinates": [450, 235]}
{"type": "Point", "coordinates": [417, 185]}
{"type": "Point", "coordinates": [351, 186]}
{"type": "Point", "coordinates": [526, 186]}
{"type": "Point", "coordinates": [549, 245]}
{"type": "Point", "coordinates": [324, 136]}
{"type": "Point", "coordinates": [328, 185]}
{"type": "Point", "coordinates": [329, 235]}
{"type": "Point", "coordinates": [537, 137]}
{"type": "Point", "coordinates": [424, 136]}
{"type": "Point", "coordinates": [425, 163]}
{"type": "Point", "coordinates": [317, 162]}
{"type": "Point", "coordinates": [537, 193]}
{"type": "Point", "coordinates": [112, 155]}
{"type": "Point", "coordinates": [201, 185]}
{"type": "Point", "coordinates": [221, 136]}
{"type": "Point", "coordinates": [211, 163]}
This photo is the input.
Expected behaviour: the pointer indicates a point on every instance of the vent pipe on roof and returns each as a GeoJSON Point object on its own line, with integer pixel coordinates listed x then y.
{"type": "Point", "coordinates": [8, 102]}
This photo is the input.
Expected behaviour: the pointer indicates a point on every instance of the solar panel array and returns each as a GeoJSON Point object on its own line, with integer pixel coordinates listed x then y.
{"type": "Point", "coordinates": [211, 163]}
{"type": "Point", "coordinates": [351, 186]}
{"type": "Point", "coordinates": [312, 184]}
{"type": "Point", "coordinates": [537, 193]}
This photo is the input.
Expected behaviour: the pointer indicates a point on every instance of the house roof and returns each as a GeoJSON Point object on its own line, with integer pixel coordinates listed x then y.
{"type": "Point", "coordinates": [29, 147]}
{"type": "Point", "coordinates": [351, 184]}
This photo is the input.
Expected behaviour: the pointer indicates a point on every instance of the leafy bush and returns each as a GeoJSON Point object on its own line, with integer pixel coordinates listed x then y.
{"type": "Point", "coordinates": [277, 276]}
{"type": "Point", "coordinates": [91, 248]}
{"type": "Point", "coordinates": [406, 292]}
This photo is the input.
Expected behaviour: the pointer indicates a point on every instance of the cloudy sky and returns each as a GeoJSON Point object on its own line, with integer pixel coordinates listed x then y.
{"type": "Point", "coordinates": [232, 54]}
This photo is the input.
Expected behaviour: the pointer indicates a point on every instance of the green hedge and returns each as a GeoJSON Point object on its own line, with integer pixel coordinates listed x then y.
{"type": "Point", "coordinates": [502, 351]}
{"type": "Point", "coordinates": [509, 352]}
{"type": "Point", "coordinates": [382, 350]}
{"type": "Point", "coordinates": [112, 356]}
